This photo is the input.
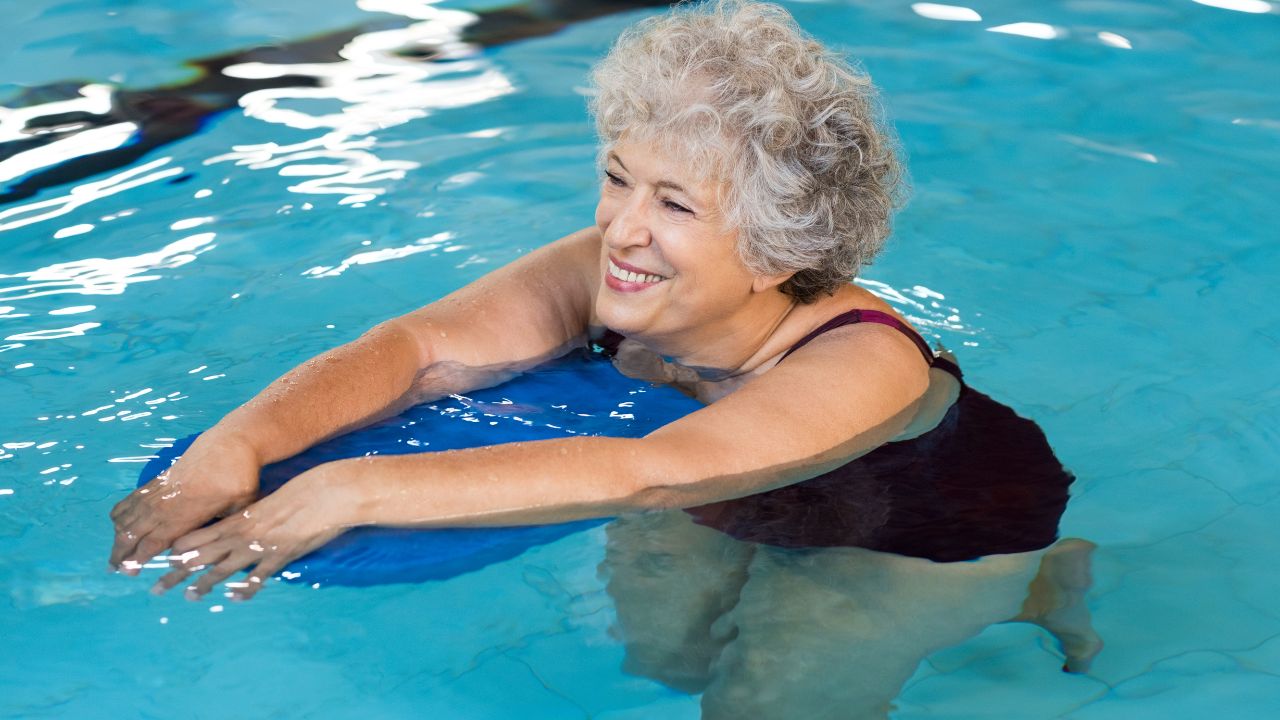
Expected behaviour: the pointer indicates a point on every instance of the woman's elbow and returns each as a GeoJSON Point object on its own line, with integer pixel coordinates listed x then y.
{"type": "Point", "coordinates": [659, 497]}
{"type": "Point", "coordinates": [667, 475]}
{"type": "Point", "coordinates": [398, 336]}
{"type": "Point", "coordinates": [662, 489]}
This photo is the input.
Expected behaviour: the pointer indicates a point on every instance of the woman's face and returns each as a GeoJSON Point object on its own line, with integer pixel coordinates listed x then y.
{"type": "Point", "coordinates": [669, 261]}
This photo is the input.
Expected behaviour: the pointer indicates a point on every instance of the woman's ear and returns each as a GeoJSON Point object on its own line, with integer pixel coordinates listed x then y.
{"type": "Point", "coordinates": [761, 283]}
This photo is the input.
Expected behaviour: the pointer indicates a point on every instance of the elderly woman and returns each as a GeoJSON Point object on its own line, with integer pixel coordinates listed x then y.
{"type": "Point", "coordinates": [745, 179]}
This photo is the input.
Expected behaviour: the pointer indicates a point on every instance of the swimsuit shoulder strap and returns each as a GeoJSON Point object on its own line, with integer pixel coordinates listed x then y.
{"type": "Point", "coordinates": [854, 317]}
{"type": "Point", "coordinates": [608, 343]}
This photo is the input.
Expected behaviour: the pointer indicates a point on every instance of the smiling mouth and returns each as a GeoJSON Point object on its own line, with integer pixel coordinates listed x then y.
{"type": "Point", "coordinates": [632, 277]}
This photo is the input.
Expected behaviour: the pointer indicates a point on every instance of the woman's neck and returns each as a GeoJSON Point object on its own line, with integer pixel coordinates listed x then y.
{"type": "Point", "coordinates": [738, 345]}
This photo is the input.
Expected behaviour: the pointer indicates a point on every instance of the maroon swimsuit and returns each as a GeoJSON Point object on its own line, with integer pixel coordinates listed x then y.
{"type": "Point", "coordinates": [984, 481]}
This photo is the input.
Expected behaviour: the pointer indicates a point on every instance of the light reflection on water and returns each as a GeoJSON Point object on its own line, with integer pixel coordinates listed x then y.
{"type": "Point", "coordinates": [371, 89]}
{"type": "Point", "coordinates": [1245, 6]}
{"type": "Point", "coordinates": [56, 333]}
{"type": "Point", "coordinates": [439, 241]}
{"type": "Point", "coordinates": [920, 305]}
{"type": "Point", "coordinates": [84, 142]}
{"type": "Point", "coordinates": [1037, 30]}
{"type": "Point", "coordinates": [953, 13]}
{"type": "Point", "coordinates": [103, 276]}
{"type": "Point", "coordinates": [81, 195]}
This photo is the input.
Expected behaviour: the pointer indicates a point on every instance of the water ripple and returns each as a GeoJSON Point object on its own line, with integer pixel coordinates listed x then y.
{"type": "Point", "coordinates": [103, 276]}
{"type": "Point", "coordinates": [426, 244]}
{"type": "Point", "coordinates": [34, 212]}
{"type": "Point", "coordinates": [920, 305]}
{"type": "Point", "coordinates": [371, 89]}
{"type": "Point", "coordinates": [55, 334]}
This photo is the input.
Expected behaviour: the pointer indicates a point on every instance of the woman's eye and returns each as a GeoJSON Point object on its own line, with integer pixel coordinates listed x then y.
{"type": "Point", "coordinates": [676, 206]}
{"type": "Point", "coordinates": [614, 180]}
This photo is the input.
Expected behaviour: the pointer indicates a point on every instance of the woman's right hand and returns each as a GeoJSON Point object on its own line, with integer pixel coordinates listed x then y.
{"type": "Point", "coordinates": [217, 475]}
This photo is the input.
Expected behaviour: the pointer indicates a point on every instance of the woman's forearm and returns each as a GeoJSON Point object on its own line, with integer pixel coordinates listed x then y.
{"type": "Point", "coordinates": [532, 483]}
{"type": "Point", "coordinates": [541, 482]}
{"type": "Point", "coordinates": [377, 375]}
{"type": "Point", "coordinates": [370, 378]}
{"type": "Point", "coordinates": [514, 318]}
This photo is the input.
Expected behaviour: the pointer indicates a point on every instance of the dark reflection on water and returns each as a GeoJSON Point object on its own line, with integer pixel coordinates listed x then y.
{"type": "Point", "coordinates": [767, 632]}
{"type": "Point", "coordinates": [163, 115]}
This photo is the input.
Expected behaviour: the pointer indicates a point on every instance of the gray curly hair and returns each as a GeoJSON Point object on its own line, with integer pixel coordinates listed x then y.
{"type": "Point", "coordinates": [792, 132]}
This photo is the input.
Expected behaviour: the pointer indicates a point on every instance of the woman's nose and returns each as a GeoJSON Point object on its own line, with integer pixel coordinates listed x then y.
{"type": "Point", "coordinates": [630, 227]}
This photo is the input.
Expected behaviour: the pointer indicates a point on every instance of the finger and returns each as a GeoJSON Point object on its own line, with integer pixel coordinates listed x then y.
{"type": "Point", "coordinates": [126, 542]}
{"type": "Point", "coordinates": [131, 528]}
{"type": "Point", "coordinates": [178, 574]}
{"type": "Point", "coordinates": [196, 560]}
{"type": "Point", "coordinates": [182, 566]}
{"type": "Point", "coordinates": [123, 544]}
{"type": "Point", "coordinates": [224, 569]}
{"type": "Point", "coordinates": [266, 569]}
{"type": "Point", "coordinates": [147, 548]}
{"type": "Point", "coordinates": [198, 538]}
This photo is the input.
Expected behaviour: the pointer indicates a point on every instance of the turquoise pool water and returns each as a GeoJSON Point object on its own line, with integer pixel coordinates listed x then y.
{"type": "Point", "coordinates": [1093, 231]}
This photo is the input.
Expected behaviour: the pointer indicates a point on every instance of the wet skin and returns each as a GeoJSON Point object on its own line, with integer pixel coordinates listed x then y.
{"type": "Point", "coordinates": [691, 300]}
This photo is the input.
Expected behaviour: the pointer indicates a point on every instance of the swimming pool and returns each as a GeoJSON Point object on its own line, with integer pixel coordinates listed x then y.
{"type": "Point", "coordinates": [1092, 230]}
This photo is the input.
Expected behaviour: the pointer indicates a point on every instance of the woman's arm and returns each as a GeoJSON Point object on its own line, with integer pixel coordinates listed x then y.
{"type": "Point", "coordinates": [839, 397]}
{"type": "Point", "coordinates": [511, 319]}
{"type": "Point", "coordinates": [508, 321]}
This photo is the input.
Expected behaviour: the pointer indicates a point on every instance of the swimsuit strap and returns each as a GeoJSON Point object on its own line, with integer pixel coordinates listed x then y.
{"type": "Point", "coordinates": [608, 344]}
{"type": "Point", "coordinates": [872, 316]}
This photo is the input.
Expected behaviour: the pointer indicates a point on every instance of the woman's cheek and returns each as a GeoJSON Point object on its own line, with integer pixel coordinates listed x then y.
{"type": "Point", "coordinates": [604, 209]}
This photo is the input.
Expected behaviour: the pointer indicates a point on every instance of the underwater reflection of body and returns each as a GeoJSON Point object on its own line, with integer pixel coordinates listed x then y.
{"type": "Point", "coordinates": [767, 632]}
{"type": "Point", "coordinates": [819, 599]}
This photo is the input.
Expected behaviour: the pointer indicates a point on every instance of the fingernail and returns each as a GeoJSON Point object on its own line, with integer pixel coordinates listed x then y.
{"type": "Point", "coordinates": [191, 594]}
{"type": "Point", "coordinates": [157, 589]}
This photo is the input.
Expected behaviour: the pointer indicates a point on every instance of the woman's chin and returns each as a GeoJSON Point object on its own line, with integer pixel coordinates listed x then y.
{"type": "Point", "coordinates": [626, 315]}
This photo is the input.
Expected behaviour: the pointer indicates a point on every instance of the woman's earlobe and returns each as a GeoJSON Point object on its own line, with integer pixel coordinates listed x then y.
{"type": "Point", "coordinates": [762, 283]}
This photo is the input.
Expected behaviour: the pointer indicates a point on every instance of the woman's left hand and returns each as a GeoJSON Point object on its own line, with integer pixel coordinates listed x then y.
{"type": "Point", "coordinates": [267, 535]}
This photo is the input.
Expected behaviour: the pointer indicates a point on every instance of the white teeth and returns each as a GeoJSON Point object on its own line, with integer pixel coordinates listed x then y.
{"type": "Point", "coordinates": [628, 276]}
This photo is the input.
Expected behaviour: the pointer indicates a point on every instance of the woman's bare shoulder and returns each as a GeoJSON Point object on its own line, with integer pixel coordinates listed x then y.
{"type": "Point", "coordinates": [808, 319]}
{"type": "Point", "coordinates": [942, 388]}
{"type": "Point", "coordinates": [860, 345]}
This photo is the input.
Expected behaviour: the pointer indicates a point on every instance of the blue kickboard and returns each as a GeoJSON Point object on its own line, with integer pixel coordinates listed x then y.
{"type": "Point", "coordinates": [581, 394]}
